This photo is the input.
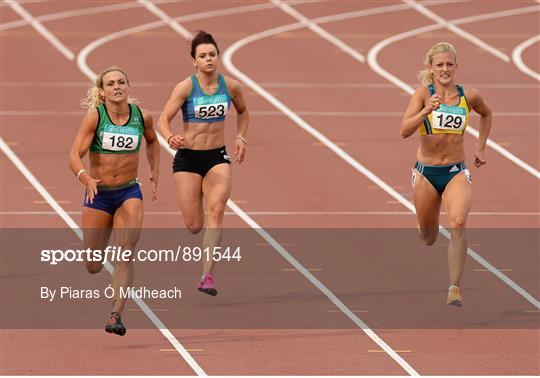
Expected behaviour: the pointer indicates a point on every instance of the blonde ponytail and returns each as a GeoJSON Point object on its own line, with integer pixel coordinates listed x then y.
{"type": "Point", "coordinates": [425, 76]}
{"type": "Point", "coordinates": [93, 98]}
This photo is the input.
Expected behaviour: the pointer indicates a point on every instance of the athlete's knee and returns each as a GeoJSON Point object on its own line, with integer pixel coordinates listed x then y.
{"type": "Point", "coordinates": [428, 236]}
{"type": "Point", "coordinates": [215, 211]}
{"type": "Point", "coordinates": [430, 239]}
{"type": "Point", "coordinates": [193, 226]}
{"type": "Point", "coordinates": [457, 222]}
{"type": "Point", "coordinates": [93, 267]}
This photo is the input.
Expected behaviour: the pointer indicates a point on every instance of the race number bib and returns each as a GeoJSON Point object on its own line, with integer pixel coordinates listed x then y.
{"type": "Point", "coordinates": [120, 138]}
{"type": "Point", "coordinates": [208, 107]}
{"type": "Point", "coordinates": [448, 117]}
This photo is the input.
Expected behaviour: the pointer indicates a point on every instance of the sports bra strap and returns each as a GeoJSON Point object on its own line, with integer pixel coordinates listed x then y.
{"type": "Point", "coordinates": [460, 90]}
{"type": "Point", "coordinates": [431, 88]}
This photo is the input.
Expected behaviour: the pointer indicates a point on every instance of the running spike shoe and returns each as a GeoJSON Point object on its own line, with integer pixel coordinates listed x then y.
{"type": "Point", "coordinates": [454, 296]}
{"type": "Point", "coordinates": [207, 285]}
{"type": "Point", "coordinates": [114, 325]}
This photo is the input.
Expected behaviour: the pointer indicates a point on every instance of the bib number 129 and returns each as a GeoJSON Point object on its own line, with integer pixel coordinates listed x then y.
{"type": "Point", "coordinates": [449, 121]}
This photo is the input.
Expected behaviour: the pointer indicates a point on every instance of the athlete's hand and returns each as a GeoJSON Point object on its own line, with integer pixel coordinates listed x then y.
{"type": "Point", "coordinates": [479, 159]}
{"type": "Point", "coordinates": [433, 104]}
{"type": "Point", "coordinates": [91, 189]}
{"type": "Point", "coordinates": [154, 179]}
{"type": "Point", "coordinates": [239, 151]}
{"type": "Point", "coordinates": [176, 141]}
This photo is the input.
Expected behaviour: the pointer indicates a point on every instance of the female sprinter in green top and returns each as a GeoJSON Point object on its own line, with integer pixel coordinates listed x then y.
{"type": "Point", "coordinates": [201, 166]}
{"type": "Point", "coordinates": [113, 131]}
{"type": "Point", "coordinates": [439, 110]}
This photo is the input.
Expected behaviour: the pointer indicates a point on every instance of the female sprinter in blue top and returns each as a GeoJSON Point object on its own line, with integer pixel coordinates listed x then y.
{"type": "Point", "coordinates": [201, 166]}
{"type": "Point", "coordinates": [439, 110]}
{"type": "Point", "coordinates": [113, 131]}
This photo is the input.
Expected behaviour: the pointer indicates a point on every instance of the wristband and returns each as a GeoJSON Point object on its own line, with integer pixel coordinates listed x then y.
{"type": "Point", "coordinates": [81, 171]}
{"type": "Point", "coordinates": [242, 139]}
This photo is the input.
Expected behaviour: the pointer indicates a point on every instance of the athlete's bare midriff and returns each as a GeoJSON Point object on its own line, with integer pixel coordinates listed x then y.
{"type": "Point", "coordinates": [204, 136]}
{"type": "Point", "coordinates": [114, 169]}
{"type": "Point", "coordinates": [440, 149]}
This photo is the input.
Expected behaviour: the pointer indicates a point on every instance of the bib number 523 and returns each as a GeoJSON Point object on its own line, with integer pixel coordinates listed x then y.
{"type": "Point", "coordinates": [211, 111]}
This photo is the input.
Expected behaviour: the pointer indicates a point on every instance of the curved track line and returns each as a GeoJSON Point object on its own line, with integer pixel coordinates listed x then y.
{"type": "Point", "coordinates": [77, 230]}
{"type": "Point", "coordinates": [83, 54]}
{"type": "Point", "coordinates": [227, 60]}
{"type": "Point", "coordinates": [81, 60]}
{"type": "Point", "coordinates": [165, 17]}
{"type": "Point", "coordinates": [518, 61]}
{"type": "Point", "coordinates": [320, 31]}
{"type": "Point", "coordinates": [72, 13]}
{"type": "Point", "coordinates": [457, 30]}
{"type": "Point", "coordinates": [287, 256]}
{"type": "Point", "coordinates": [409, 89]}
{"type": "Point", "coordinates": [41, 29]}
{"type": "Point", "coordinates": [373, 63]}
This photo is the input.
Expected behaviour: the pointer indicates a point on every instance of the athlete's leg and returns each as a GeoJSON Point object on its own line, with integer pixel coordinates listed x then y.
{"type": "Point", "coordinates": [216, 187]}
{"type": "Point", "coordinates": [457, 199]}
{"type": "Point", "coordinates": [127, 230]}
{"type": "Point", "coordinates": [189, 189]}
{"type": "Point", "coordinates": [427, 202]}
{"type": "Point", "coordinates": [97, 227]}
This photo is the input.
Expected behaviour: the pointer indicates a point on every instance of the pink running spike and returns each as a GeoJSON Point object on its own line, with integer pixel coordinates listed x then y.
{"type": "Point", "coordinates": [207, 285]}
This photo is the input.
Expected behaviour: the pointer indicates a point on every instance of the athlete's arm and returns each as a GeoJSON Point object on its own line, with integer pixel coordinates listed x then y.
{"type": "Point", "coordinates": [80, 148]}
{"type": "Point", "coordinates": [242, 120]}
{"type": "Point", "coordinates": [178, 96]}
{"type": "Point", "coordinates": [417, 111]}
{"type": "Point", "coordinates": [152, 151]}
{"type": "Point", "coordinates": [479, 105]}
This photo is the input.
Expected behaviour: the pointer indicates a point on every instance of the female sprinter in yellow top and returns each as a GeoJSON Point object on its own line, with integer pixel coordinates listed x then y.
{"type": "Point", "coordinates": [201, 166]}
{"type": "Point", "coordinates": [113, 131]}
{"type": "Point", "coordinates": [439, 110]}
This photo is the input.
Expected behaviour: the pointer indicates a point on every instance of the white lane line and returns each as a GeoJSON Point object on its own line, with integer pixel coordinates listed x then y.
{"type": "Point", "coordinates": [163, 16]}
{"type": "Point", "coordinates": [83, 54]}
{"type": "Point", "coordinates": [373, 63]}
{"type": "Point", "coordinates": [518, 61]}
{"type": "Point", "coordinates": [74, 13]}
{"type": "Point", "coordinates": [470, 130]}
{"type": "Point", "coordinates": [328, 293]}
{"type": "Point", "coordinates": [294, 213]}
{"type": "Point", "coordinates": [53, 113]}
{"type": "Point", "coordinates": [317, 29]}
{"type": "Point", "coordinates": [77, 230]}
{"type": "Point", "coordinates": [41, 29]}
{"type": "Point", "coordinates": [227, 60]}
{"type": "Point", "coordinates": [280, 85]}
{"type": "Point", "coordinates": [293, 85]}
{"type": "Point", "coordinates": [453, 28]}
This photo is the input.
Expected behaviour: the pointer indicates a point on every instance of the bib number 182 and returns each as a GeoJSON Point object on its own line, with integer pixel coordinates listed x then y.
{"type": "Point", "coordinates": [119, 142]}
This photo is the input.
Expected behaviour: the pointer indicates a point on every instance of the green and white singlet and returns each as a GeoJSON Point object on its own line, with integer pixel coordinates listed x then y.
{"type": "Point", "coordinates": [118, 139]}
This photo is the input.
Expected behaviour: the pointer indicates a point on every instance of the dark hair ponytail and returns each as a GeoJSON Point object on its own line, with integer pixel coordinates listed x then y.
{"type": "Point", "coordinates": [202, 37]}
